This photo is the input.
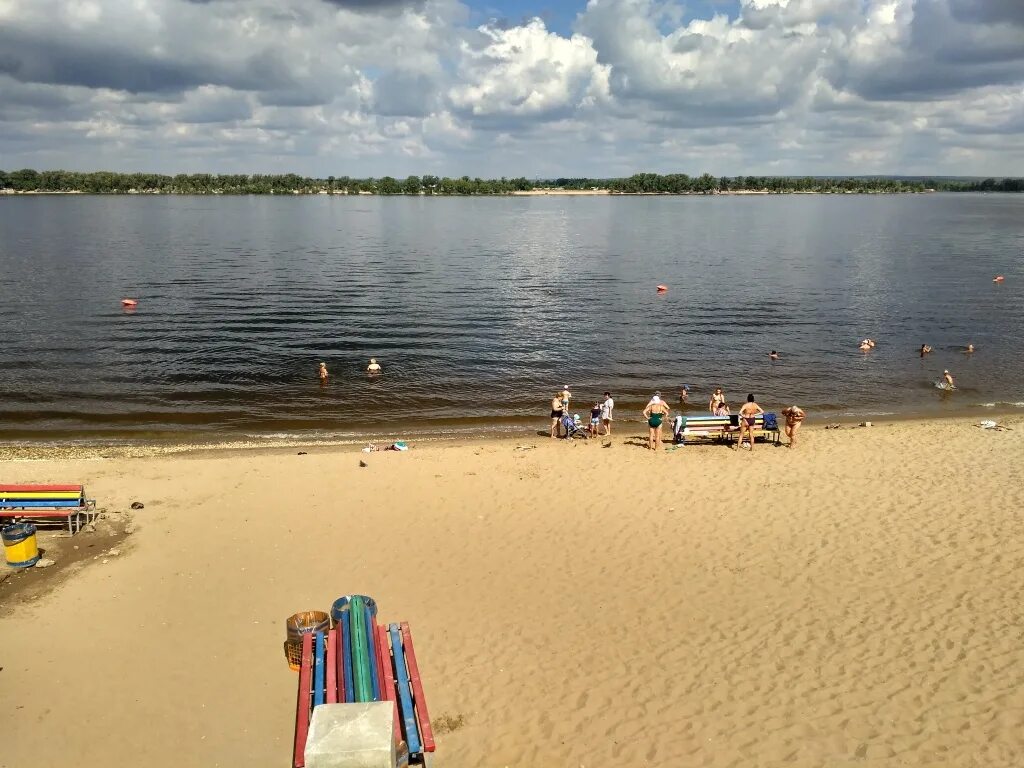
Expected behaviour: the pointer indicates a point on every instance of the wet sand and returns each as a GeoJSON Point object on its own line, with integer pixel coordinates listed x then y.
{"type": "Point", "coordinates": [854, 601]}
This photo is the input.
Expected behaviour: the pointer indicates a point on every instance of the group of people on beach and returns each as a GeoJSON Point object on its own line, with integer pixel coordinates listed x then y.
{"type": "Point", "coordinates": [657, 411]}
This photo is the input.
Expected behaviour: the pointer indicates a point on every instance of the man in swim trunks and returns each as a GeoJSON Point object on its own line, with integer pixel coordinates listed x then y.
{"type": "Point", "coordinates": [556, 413]}
{"type": "Point", "coordinates": [748, 412]}
{"type": "Point", "coordinates": [948, 378]}
{"type": "Point", "coordinates": [606, 412]}
{"type": "Point", "coordinates": [655, 413]}
{"type": "Point", "coordinates": [794, 418]}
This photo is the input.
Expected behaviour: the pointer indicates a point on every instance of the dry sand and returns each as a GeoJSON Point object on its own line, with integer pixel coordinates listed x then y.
{"type": "Point", "coordinates": [857, 601]}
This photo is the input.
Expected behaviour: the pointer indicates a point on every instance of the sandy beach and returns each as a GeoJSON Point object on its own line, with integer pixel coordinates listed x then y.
{"type": "Point", "coordinates": [856, 601]}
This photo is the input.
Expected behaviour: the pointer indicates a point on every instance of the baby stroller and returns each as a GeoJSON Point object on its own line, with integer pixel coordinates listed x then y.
{"type": "Point", "coordinates": [573, 428]}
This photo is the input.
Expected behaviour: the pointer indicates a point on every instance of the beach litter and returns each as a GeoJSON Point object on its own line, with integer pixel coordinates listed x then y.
{"type": "Point", "coordinates": [363, 463]}
{"type": "Point", "coordinates": [987, 424]}
{"type": "Point", "coordinates": [138, 505]}
{"type": "Point", "coordinates": [398, 445]}
{"type": "Point", "coordinates": [44, 563]}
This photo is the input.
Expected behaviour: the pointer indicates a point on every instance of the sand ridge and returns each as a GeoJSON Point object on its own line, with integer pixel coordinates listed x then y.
{"type": "Point", "coordinates": [855, 601]}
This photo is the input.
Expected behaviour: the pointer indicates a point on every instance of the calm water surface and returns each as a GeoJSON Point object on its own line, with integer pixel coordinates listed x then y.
{"type": "Point", "coordinates": [479, 309]}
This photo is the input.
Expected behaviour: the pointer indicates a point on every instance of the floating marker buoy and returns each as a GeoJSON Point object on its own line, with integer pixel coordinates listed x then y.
{"type": "Point", "coordinates": [662, 288]}
{"type": "Point", "coordinates": [997, 279]}
{"type": "Point", "coordinates": [129, 302]}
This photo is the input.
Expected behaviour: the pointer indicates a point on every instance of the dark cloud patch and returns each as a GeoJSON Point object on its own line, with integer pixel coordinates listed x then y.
{"type": "Point", "coordinates": [988, 11]}
{"type": "Point", "coordinates": [377, 6]}
{"type": "Point", "coordinates": [29, 58]}
{"type": "Point", "coordinates": [405, 94]}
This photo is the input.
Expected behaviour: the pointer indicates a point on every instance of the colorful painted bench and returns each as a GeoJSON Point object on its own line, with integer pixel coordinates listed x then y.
{"type": "Point", "coordinates": [359, 660]}
{"type": "Point", "coordinates": [722, 428]}
{"type": "Point", "coordinates": [47, 502]}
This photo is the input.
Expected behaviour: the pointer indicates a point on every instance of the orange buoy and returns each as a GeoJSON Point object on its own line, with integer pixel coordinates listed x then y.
{"type": "Point", "coordinates": [998, 279]}
{"type": "Point", "coordinates": [129, 302]}
{"type": "Point", "coordinates": [662, 288]}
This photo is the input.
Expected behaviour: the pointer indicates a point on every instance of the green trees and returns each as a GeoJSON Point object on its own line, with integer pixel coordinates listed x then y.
{"type": "Point", "coordinates": [106, 182]}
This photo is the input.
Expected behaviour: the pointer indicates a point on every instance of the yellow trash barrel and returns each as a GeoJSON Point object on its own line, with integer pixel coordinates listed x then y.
{"type": "Point", "coordinates": [20, 545]}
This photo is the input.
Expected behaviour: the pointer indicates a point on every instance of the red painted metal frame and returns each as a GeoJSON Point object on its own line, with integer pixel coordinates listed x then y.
{"type": "Point", "coordinates": [422, 716]}
{"type": "Point", "coordinates": [387, 685]}
{"type": "Point", "coordinates": [332, 666]}
{"type": "Point", "coordinates": [302, 705]}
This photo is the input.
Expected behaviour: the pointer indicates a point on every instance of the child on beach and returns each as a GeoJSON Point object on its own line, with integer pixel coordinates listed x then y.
{"type": "Point", "coordinates": [595, 419]}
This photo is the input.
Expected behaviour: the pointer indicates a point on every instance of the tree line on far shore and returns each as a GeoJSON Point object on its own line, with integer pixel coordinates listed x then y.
{"type": "Point", "coordinates": [105, 182]}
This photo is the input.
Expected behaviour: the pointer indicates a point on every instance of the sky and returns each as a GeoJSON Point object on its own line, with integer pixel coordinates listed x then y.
{"type": "Point", "coordinates": [536, 88]}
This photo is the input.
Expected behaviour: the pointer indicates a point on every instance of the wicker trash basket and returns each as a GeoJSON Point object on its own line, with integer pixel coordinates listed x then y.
{"type": "Point", "coordinates": [300, 624]}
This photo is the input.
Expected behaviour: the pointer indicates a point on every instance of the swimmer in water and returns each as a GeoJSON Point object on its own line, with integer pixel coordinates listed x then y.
{"type": "Point", "coordinates": [323, 372]}
{"type": "Point", "coordinates": [865, 346]}
{"type": "Point", "coordinates": [925, 349]}
{"type": "Point", "coordinates": [948, 378]}
{"type": "Point", "coordinates": [969, 350]}
{"type": "Point", "coordinates": [773, 355]}
{"type": "Point", "coordinates": [373, 367]}
{"type": "Point", "coordinates": [684, 395]}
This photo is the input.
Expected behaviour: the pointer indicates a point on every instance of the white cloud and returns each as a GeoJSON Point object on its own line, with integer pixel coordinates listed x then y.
{"type": "Point", "coordinates": [407, 86]}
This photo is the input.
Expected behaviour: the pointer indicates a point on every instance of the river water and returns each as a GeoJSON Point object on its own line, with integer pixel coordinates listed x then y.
{"type": "Point", "coordinates": [479, 309]}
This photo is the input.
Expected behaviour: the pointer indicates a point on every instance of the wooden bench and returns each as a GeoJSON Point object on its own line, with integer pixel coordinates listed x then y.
{"type": "Point", "coordinates": [330, 673]}
{"type": "Point", "coordinates": [722, 428]}
{"type": "Point", "coordinates": [47, 502]}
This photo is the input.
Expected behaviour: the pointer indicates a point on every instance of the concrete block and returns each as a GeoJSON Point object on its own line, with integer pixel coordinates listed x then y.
{"type": "Point", "coordinates": [352, 736]}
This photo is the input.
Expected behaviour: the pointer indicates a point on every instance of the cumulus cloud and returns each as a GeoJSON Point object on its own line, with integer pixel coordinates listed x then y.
{"type": "Point", "coordinates": [374, 87]}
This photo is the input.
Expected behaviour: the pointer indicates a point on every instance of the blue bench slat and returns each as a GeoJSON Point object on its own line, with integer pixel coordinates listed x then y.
{"type": "Point", "coordinates": [63, 503]}
{"type": "Point", "coordinates": [319, 668]}
{"type": "Point", "coordinates": [412, 733]}
{"type": "Point", "coordinates": [346, 647]}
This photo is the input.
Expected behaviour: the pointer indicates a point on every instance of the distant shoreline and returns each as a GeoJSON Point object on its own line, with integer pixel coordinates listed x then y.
{"type": "Point", "coordinates": [554, 192]}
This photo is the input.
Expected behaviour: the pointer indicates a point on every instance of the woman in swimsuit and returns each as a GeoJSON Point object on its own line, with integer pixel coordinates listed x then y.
{"type": "Point", "coordinates": [655, 413]}
{"type": "Point", "coordinates": [716, 399]}
{"type": "Point", "coordinates": [556, 413]}
{"type": "Point", "coordinates": [748, 412]}
{"type": "Point", "coordinates": [794, 418]}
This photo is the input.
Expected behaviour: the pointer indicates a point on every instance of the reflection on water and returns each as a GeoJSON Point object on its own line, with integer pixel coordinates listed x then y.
{"type": "Point", "coordinates": [480, 308]}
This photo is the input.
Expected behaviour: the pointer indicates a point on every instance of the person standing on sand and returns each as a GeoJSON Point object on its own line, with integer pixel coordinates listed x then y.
{"type": "Point", "coordinates": [655, 413]}
{"type": "Point", "coordinates": [556, 413]}
{"type": "Point", "coordinates": [606, 412]}
{"type": "Point", "coordinates": [748, 412]}
{"type": "Point", "coordinates": [322, 373]}
{"type": "Point", "coordinates": [566, 396]}
{"type": "Point", "coordinates": [794, 418]}
{"type": "Point", "coordinates": [716, 399]}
